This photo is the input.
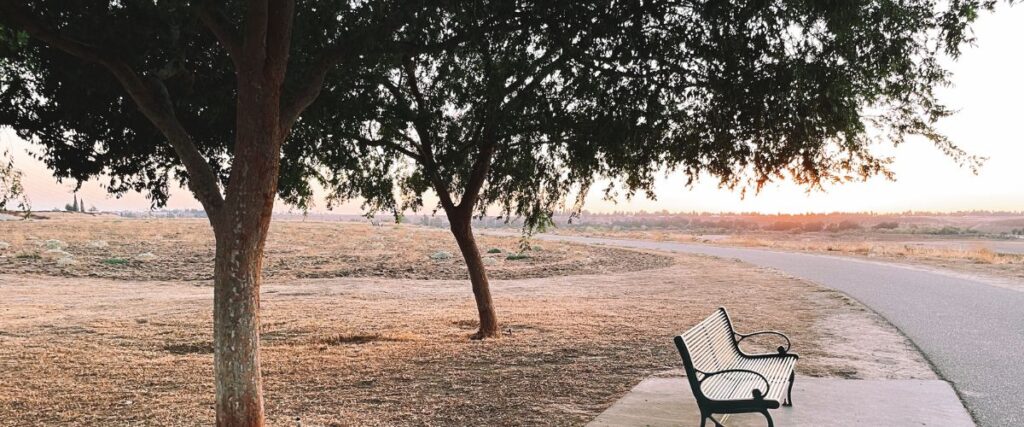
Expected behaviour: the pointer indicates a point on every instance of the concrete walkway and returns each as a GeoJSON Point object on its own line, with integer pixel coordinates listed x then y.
{"type": "Point", "coordinates": [971, 331]}
{"type": "Point", "coordinates": [817, 402]}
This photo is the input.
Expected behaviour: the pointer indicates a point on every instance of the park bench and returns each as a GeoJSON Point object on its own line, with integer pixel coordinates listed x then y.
{"type": "Point", "coordinates": [725, 379]}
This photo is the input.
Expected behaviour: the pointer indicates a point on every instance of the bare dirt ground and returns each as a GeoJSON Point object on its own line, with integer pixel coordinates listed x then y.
{"type": "Point", "coordinates": [394, 351]}
{"type": "Point", "coordinates": [997, 259]}
{"type": "Point", "coordinates": [183, 249]}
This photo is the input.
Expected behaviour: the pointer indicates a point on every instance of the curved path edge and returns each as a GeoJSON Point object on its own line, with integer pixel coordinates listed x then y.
{"type": "Point", "coordinates": [972, 331]}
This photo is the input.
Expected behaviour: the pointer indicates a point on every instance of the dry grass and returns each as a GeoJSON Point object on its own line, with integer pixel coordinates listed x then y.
{"type": "Point", "coordinates": [183, 249]}
{"type": "Point", "coordinates": [375, 351]}
{"type": "Point", "coordinates": [395, 352]}
{"type": "Point", "coordinates": [963, 255]}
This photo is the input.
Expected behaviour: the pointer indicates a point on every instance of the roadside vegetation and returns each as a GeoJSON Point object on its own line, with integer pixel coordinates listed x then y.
{"type": "Point", "coordinates": [974, 243]}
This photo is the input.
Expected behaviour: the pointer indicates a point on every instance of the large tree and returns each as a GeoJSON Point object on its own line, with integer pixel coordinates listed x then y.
{"type": "Point", "coordinates": [538, 99]}
{"type": "Point", "coordinates": [207, 93]}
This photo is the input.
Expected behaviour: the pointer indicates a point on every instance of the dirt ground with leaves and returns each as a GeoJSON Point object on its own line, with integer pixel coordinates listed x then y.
{"type": "Point", "coordinates": [340, 351]}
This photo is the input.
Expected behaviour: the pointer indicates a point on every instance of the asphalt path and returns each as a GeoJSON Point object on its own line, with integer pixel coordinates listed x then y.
{"type": "Point", "coordinates": [970, 330]}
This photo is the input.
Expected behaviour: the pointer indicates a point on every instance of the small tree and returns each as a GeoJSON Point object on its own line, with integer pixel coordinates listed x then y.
{"type": "Point", "coordinates": [538, 99]}
{"type": "Point", "coordinates": [11, 188]}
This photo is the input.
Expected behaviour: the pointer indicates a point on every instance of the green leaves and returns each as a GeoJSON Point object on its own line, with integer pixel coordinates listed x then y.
{"type": "Point", "coordinates": [11, 188]}
{"type": "Point", "coordinates": [552, 96]}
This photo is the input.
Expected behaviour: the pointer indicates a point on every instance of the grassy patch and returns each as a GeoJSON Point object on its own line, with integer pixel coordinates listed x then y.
{"type": "Point", "coordinates": [494, 251]}
{"type": "Point", "coordinates": [115, 261]}
{"type": "Point", "coordinates": [516, 257]}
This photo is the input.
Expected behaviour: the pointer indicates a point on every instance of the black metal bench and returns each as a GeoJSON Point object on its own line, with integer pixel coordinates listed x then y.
{"type": "Point", "coordinates": [725, 380]}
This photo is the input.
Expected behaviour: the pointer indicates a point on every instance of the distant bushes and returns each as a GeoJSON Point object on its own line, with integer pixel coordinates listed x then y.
{"type": "Point", "coordinates": [783, 226]}
{"type": "Point", "coordinates": [844, 225]}
{"type": "Point", "coordinates": [891, 225]}
{"type": "Point", "coordinates": [812, 226]}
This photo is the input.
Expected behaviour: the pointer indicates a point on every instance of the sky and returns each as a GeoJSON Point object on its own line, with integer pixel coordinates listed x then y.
{"type": "Point", "coordinates": [987, 91]}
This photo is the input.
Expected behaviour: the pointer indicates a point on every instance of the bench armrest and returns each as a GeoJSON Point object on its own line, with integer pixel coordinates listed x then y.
{"type": "Point", "coordinates": [756, 393]}
{"type": "Point", "coordinates": [781, 349]}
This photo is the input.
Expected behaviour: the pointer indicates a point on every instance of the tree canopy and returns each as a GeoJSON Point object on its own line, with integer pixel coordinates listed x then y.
{"type": "Point", "coordinates": [558, 95]}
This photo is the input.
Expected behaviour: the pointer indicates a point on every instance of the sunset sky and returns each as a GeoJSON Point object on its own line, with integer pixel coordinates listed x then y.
{"type": "Point", "coordinates": [987, 91]}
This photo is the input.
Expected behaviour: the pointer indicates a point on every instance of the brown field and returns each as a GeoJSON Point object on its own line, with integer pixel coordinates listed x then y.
{"type": "Point", "coordinates": [975, 256]}
{"type": "Point", "coordinates": [182, 249]}
{"type": "Point", "coordinates": [386, 350]}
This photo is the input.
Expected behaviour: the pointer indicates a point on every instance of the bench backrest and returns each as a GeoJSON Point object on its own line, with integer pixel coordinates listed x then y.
{"type": "Point", "coordinates": [707, 347]}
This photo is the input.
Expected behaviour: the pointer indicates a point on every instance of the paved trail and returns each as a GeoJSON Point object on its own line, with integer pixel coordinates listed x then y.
{"type": "Point", "coordinates": [971, 331]}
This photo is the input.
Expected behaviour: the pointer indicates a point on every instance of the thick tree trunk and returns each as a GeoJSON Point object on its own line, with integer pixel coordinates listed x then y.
{"type": "Point", "coordinates": [241, 231]}
{"type": "Point", "coordinates": [236, 336]}
{"type": "Point", "coordinates": [462, 229]}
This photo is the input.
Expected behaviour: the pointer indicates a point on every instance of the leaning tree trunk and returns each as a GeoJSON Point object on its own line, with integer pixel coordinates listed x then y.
{"type": "Point", "coordinates": [462, 229]}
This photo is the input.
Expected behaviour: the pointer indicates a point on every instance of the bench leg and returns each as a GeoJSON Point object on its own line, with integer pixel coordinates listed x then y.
{"type": "Point", "coordinates": [789, 394]}
{"type": "Point", "coordinates": [768, 417]}
{"type": "Point", "coordinates": [704, 420]}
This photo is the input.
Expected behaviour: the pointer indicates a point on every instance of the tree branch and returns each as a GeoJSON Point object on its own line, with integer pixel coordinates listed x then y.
{"type": "Point", "coordinates": [383, 143]}
{"type": "Point", "coordinates": [477, 176]}
{"type": "Point", "coordinates": [218, 25]}
{"type": "Point", "coordinates": [422, 126]}
{"type": "Point", "coordinates": [305, 96]}
{"type": "Point", "coordinates": [254, 42]}
{"type": "Point", "coordinates": [279, 38]}
{"type": "Point", "coordinates": [150, 97]}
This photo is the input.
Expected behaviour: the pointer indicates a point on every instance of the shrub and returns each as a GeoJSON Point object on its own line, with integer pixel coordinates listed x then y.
{"type": "Point", "coordinates": [812, 226]}
{"type": "Point", "coordinates": [4, 246]}
{"type": "Point", "coordinates": [66, 262]}
{"type": "Point", "coordinates": [783, 226]}
{"type": "Point", "coordinates": [115, 261]}
{"type": "Point", "coordinates": [441, 255]}
{"type": "Point", "coordinates": [55, 244]}
{"type": "Point", "coordinates": [97, 244]}
{"type": "Point", "coordinates": [537, 248]}
{"type": "Point", "coordinates": [56, 253]}
{"type": "Point", "coordinates": [843, 225]}
{"type": "Point", "coordinates": [494, 251]}
{"type": "Point", "coordinates": [28, 255]}
{"type": "Point", "coordinates": [891, 225]}
{"type": "Point", "coordinates": [145, 256]}
{"type": "Point", "coordinates": [516, 257]}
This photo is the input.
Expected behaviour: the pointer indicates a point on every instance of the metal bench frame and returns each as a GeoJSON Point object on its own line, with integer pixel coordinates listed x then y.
{"type": "Point", "coordinates": [757, 402]}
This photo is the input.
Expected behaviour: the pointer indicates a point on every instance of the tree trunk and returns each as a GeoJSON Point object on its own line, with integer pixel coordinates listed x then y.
{"type": "Point", "coordinates": [241, 232]}
{"type": "Point", "coordinates": [462, 229]}
{"type": "Point", "coordinates": [236, 336]}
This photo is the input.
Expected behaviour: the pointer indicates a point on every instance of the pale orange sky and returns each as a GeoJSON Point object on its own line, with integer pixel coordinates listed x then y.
{"type": "Point", "coordinates": [987, 91]}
